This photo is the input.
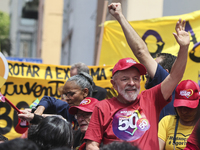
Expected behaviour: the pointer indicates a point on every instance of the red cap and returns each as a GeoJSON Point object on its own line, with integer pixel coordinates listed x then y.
{"type": "Point", "coordinates": [126, 63]}
{"type": "Point", "coordinates": [86, 105]}
{"type": "Point", "coordinates": [187, 94]}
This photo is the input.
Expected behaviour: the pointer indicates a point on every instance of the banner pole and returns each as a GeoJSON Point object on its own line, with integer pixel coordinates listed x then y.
{"type": "Point", "coordinates": [101, 33]}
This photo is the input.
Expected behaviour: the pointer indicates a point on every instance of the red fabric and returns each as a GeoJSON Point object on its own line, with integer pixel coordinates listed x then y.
{"type": "Point", "coordinates": [101, 129]}
{"type": "Point", "coordinates": [82, 147]}
{"type": "Point", "coordinates": [192, 141]}
{"type": "Point", "coordinates": [24, 135]}
{"type": "Point", "coordinates": [190, 146]}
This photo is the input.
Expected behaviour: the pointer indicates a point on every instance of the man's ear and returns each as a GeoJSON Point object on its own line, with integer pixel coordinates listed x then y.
{"type": "Point", "coordinates": [85, 92]}
{"type": "Point", "coordinates": [114, 84]}
{"type": "Point", "coordinates": [167, 70]}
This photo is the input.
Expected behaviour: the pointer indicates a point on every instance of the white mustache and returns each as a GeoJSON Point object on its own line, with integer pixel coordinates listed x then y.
{"type": "Point", "coordinates": [130, 88]}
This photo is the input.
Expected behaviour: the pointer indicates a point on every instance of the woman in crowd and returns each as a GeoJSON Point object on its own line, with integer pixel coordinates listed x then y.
{"type": "Point", "coordinates": [75, 90]}
{"type": "Point", "coordinates": [48, 130]}
{"type": "Point", "coordinates": [174, 130]}
{"type": "Point", "coordinates": [60, 90]}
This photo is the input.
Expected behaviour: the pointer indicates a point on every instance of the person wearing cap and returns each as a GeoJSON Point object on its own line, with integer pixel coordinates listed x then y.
{"type": "Point", "coordinates": [83, 114]}
{"type": "Point", "coordinates": [75, 90]}
{"type": "Point", "coordinates": [131, 116]}
{"type": "Point", "coordinates": [156, 72]}
{"type": "Point", "coordinates": [174, 130]}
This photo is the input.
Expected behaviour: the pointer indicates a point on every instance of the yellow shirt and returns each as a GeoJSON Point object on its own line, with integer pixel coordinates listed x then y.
{"type": "Point", "coordinates": [166, 133]}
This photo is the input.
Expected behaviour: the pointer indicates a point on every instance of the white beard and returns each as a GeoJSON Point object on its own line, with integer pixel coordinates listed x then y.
{"type": "Point", "coordinates": [131, 96]}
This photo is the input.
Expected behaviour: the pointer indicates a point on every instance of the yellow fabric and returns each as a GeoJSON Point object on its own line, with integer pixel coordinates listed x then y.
{"type": "Point", "coordinates": [166, 133]}
{"type": "Point", "coordinates": [28, 81]}
{"type": "Point", "coordinates": [157, 33]}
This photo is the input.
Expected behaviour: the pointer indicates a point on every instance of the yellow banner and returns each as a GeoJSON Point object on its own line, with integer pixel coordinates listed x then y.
{"type": "Point", "coordinates": [157, 33]}
{"type": "Point", "coordinates": [28, 81]}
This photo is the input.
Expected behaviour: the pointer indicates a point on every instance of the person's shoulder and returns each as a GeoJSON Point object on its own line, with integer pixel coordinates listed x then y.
{"type": "Point", "coordinates": [106, 102]}
{"type": "Point", "coordinates": [168, 118]}
{"type": "Point", "coordinates": [45, 97]}
{"type": "Point", "coordinates": [154, 88]}
{"type": "Point", "coordinates": [99, 88]}
{"type": "Point", "coordinates": [160, 69]}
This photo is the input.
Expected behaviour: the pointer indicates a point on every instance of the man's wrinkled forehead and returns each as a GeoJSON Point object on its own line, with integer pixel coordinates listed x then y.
{"type": "Point", "coordinates": [124, 72]}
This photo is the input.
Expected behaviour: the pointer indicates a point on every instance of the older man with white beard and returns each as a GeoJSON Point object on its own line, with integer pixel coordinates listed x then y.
{"type": "Point", "coordinates": [131, 116]}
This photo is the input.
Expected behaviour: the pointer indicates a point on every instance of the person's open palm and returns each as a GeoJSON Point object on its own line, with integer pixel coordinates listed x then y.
{"type": "Point", "coordinates": [182, 37]}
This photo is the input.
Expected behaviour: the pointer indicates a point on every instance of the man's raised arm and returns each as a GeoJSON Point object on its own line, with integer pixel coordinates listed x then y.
{"type": "Point", "coordinates": [178, 68]}
{"type": "Point", "coordinates": [137, 45]}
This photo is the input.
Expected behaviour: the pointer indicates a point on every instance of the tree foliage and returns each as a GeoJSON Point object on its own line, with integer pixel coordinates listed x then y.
{"type": "Point", "coordinates": [5, 45]}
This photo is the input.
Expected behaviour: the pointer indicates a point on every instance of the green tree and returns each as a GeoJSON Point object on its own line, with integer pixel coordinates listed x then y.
{"type": "Point", "coordinates": [5, 45]}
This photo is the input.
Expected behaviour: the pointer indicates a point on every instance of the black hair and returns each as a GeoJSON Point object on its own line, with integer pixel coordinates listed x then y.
{"type": "Point", "coordinates": [167, 60]}
{"type": "Point", "coordinates": [52, 132]}
{"type": "Point", "coordinates": [19, 144]}
{"type": "Point", "coordinates": [119, 146]}
{"type": "Point", "coordinates": [3, 138]}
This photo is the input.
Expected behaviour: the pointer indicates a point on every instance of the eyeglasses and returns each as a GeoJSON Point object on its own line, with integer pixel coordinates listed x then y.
{"type": "Point", "coordinates": [68, 94]}
{"type": "Point", "coordinates": [83, 115]}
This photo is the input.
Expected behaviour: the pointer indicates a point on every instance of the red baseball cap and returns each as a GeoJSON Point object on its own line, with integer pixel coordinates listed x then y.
{"type": "Point", "coordinates": [86, 105]}
{"type": "Point", "coordinates": [126, 63]}
{"type": "Point", "coordinates": [187, 94]}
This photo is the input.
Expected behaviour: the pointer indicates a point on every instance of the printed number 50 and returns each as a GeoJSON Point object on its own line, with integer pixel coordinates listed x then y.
{"type": "Point", "coordinates": [125, 123]}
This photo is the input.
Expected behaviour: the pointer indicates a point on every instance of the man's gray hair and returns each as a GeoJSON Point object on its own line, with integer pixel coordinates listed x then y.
{"type": "Point", "coordinates": [81, 67]}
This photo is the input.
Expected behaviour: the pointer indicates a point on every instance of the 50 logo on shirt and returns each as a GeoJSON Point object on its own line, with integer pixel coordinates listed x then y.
{"type": "Point", "coordinates": [129, 124]}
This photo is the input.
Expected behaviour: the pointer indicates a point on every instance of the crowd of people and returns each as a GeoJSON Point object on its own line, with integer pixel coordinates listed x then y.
{"type": "Point", "coordinates": [164, 116]}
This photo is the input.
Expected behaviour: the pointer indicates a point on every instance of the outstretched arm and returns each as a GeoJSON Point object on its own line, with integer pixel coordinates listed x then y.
{"type": "Point", "coordinates": [178, 68]}
{"type": "Point", "coordinates": [26, 115]}
{"type": "Point", "coordinates": [137, 45]}
{"type": "Point", "coordinates": [90, 145]}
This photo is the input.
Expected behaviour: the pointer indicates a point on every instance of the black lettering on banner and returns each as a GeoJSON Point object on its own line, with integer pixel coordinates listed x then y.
{"type": "Point", "coordinates": [194, 40]}
{"type": "Point", "coordinates": [29, 71]}
{"type": "Point", "coordinates": [36, 89]}
{"type": "Point", "coordinates": [48, 72]}
{"type": "Point", "coordinates": [51, 92]}
{"type": "Point", "coordinates": [66, 73]}
{"type": "Point", "coordinates": [35, 70]}
{"type": "Point", "coordinates": [5, 117]}
{"type": "Point", "coordinates": [58, 73]}
{"type": "Point", "coordinates": [22, 65]}
{"type": "Point", "coordinates": [16, 69]}
{"type": "Point", "coordinates": [103, 74]}
{"type": "Point", "coordinates": [6, 88]}
{"type": "Point", "coordinates": [20, 89]}
{"type": "Point", "coordinates": [10, 66]}
{"type": "Point", "coordinates": [94, 73]}
{"type": "Point", "coordinates": [159, 40]}
{"type": "Point", "coordinates": [98, 74]}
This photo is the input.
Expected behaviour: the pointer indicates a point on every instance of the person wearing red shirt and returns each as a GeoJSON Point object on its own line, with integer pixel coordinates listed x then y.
{"type": "Point", "coordinates": [131, 116]}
